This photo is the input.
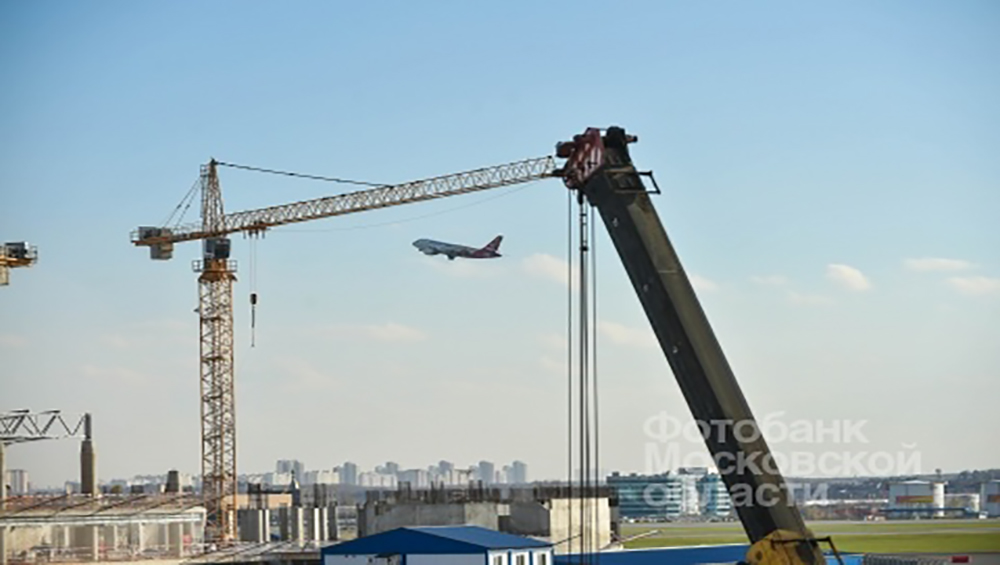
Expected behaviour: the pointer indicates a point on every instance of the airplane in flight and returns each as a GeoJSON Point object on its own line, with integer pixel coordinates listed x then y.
{"type": "Point", "coordinates": [431, 247]}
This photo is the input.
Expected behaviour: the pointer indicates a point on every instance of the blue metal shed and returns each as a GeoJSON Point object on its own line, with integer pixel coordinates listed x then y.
{"type": "Point", "coordinates": [442, 545]}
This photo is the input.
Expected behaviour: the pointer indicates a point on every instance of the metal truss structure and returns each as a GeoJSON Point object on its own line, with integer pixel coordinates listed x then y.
{"type": "Point", "coordinates": [23, 425]}
{"type": "Point", "coordinates": [381, 197]}
{"type": "Point", "coordinates": [218, 403]}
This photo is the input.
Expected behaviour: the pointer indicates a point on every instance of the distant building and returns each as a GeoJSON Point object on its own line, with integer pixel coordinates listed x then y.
{"type": "Point", "coordinates": [416, 478]}
{"type": "Point", "coordinates": [647, 496]}
{"type": "Point", "coordinates": [290, 466]}
{"type": "Point", "coordinates": [321, 477]}
{"type": "Point", "coordinates": [17, 482]}
{"type": "Point", "coordinates": [520, 473]}
{"type": "Point", "coordinates": [713, 498]}
{"type": "Point", "coordinates": [390, 468]}
{"type": "Point", "coordinates": [487, 472]}
{"type": "Point", "coordinates": [916, 499]}
{"type": "Point", "coordinates": [989, 499]}
{"type": "Point", "coordinates": [377, 480]}
{"type": "Point", "coordinates": [690, 505]}
{"type": "Point", "coordinates": [349, 473]}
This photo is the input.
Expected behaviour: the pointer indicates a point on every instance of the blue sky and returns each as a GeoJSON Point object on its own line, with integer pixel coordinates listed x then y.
{"type": "Point", "coordinates": [829, 173]}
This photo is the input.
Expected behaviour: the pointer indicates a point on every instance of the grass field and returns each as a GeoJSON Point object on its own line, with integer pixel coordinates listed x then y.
{"type": "Point", "coordinates": [851, 537]}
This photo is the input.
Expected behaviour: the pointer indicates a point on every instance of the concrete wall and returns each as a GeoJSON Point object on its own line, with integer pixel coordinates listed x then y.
{"type": "Point", "coordinates": [376, 518]}
{"type": "Point", "coordinates": [563, 511]}
{"type": "Point", "coordinates": [529, 518]}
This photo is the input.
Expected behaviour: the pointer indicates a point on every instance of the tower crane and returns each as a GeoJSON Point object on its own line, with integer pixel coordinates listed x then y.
{"type": "Point", "coordinates": [15, 254]}
{"type": "Point", "coordinates": [598, 166]}
{"type": "Point", "coordinates": [217, 272]}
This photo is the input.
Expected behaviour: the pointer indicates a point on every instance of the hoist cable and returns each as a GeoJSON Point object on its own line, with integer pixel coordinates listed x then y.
{"type": "Point", "coordinates": [299, 175]}
{"type": "Point", "coordinates": [253, 291]}
{"type": "Point", "coordinates": [188, 198]}
{"type": "Point", "coordinates": [569, 365]}
{"type": "Point", "coordinates": [582, 368]}
{"type": "Point", "coordinates": [593, 374]}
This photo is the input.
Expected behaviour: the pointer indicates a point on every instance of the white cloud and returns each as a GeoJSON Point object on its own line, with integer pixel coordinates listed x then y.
{"type": "Point", "coordinates": [389, 332]}
{"type": "Point", "coordinates": [848, 277]}
{"type": "Point", "coordinates": [808, 299]}
{"type": "Point", "coordinates": [548, 267]}
{"type": "Point", "coordinates": [770, 280]}
{"type": "Point", "coordinates": [703, 284]}
{"type": "Point", "coordinates": [936, 264]}
{"type": "Point", "coordinates": [13, 341]}
{"type": "Point", "coordinates": [975, 286]}
{"type": "Point", "coordinates": [553, 341]}
{"type": "Point", "coordinates": [624, 335]}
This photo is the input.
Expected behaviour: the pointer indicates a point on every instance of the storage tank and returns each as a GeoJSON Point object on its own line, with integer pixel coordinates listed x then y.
{"type": "Point", "coordinates": [937, 489]}
{"type": "Point", "coordinates": [989, 498]}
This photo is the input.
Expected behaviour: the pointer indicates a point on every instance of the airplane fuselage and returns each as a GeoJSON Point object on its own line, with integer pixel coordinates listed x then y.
{"type": "Point", "coordinates": [452, 250]}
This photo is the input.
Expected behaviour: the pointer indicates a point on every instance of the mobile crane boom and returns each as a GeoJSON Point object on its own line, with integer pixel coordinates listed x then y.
{"type": "Point", "coordinates": [600, 168]}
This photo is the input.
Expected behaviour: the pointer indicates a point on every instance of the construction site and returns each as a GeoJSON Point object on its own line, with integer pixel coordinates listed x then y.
{"type": "Point", "coordinates": [575, 519]}
{"type": "Point", "coordinates": [215, 514]}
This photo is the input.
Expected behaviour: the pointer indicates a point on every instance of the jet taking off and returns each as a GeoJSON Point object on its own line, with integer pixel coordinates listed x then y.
{"type": "Point", "coordinates": [431, 247]}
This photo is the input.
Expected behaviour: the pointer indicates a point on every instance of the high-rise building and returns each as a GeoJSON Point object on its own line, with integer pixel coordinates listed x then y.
{"type": "Point", "coordinates": [487, 472]}
{"type": "Point", "coordinates": [290, 466]}
{"type": "Point", "coordinates": [445, 467]}
{"type": "Point", "coordinates": [17, 482]}
{"type": "Point", "coordinates": [321, 477]}
{"type": "Point", "coordinates": [520, 473]}
{"type": "Point", "coordinates": [505, 474]}
{"type": "Point", "coordinates": [349, 473]}
{"type": "Point", "coordinates": [377, 480]}
{"type": "Point", "coordinates": [390, 468]}
{"type": "Point", "coordinates": [417, 478]}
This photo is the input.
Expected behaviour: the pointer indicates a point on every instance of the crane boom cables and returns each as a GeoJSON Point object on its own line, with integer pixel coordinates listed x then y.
{"type": "Point", "coordinates": [381, 196]}
{"type": "Point", "coordinates": [586, 495]}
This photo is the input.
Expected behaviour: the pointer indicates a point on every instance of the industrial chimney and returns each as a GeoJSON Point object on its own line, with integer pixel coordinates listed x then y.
{"type": "Point", "coordinates": [173, 482]}
{"type": "Point", "coordinates": [88, 460]}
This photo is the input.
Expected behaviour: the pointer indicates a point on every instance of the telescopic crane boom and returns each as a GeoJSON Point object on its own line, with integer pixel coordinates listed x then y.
{"type": "Point", "coordinates": [600, 168]}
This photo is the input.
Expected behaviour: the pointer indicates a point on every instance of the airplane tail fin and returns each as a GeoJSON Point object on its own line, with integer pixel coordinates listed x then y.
{"type": "Point", "coordinates": [494, 245]}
